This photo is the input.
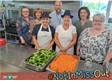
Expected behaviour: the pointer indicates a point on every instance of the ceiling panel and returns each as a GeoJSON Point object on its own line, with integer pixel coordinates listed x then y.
{"type": "Point", "coordinates": [42, 1]}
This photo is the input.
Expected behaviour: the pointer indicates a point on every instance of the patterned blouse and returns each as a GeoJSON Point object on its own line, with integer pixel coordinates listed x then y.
{"type": "Point", "coordinates": [22, 27]}
{"type": "Point", "coordinates": [32, 25]}
{"type": "Point", "coordinates": [95, 47]}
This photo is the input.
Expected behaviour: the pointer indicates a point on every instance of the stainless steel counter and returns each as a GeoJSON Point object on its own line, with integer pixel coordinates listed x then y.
{"type": "Point", "coordinates": [5, 67]}
{"type": "Point", "coordinates": [15, 55]}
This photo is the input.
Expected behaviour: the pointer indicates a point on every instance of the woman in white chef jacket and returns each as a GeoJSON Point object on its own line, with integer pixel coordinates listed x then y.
{"type": "Point", "coordinates": [65, 35]}
{"type": "Point", "coordinates": [43, 34]}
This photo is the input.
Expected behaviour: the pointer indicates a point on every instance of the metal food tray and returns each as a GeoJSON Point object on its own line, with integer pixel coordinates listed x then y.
{"type": "Point", "coordinates": [38, 68]}
{"type": "Point", "coordinates": [55, 58]}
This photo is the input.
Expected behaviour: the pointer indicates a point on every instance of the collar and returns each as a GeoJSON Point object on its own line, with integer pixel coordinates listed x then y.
{"type": "Point", "coordinates": [24, 18]}
{"type": "Point", "coordinates": [69, 26]}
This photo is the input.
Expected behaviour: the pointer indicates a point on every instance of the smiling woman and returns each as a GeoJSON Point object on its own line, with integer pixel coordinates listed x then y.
{"type": "Point", "coordinates": [43, 34]}
{"type": "Point", "coordinates": [22, 27]}
{"type": "Point", "coordinates": [98, 21]}
{"type": "Point", "coordinates": [37, 14]}
{"type": "Point", "coordinates": [65, 35]}
{"type": "Point", "coordinates": [93, 43]}
{"type": "Point", "coordinates": [82, 23]}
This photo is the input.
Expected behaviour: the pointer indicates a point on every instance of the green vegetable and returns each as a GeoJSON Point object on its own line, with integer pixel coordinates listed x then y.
{"type": "Point", "coordinates": [41, 57]}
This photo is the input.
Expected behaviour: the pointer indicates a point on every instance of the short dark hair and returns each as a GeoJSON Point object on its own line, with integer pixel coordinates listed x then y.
{"type": "Point", "coordinates": [87, 10]}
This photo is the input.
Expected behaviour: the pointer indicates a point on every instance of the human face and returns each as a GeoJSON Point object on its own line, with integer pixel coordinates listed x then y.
{"type": "Point", "coordinates": [58, 6]}
{"type": "Point", "coordinates": [25, 12]}
{"type": "Point", "coordinates": [66, 19]}
{"type": "Point", "coordinates": [83, 14]}
{"type": "Point", "coordinates": [97, 23]}
{"type": "Point", "coordinates": [38, 15]}
{"type": "Point", "coordinates": [45, 20]}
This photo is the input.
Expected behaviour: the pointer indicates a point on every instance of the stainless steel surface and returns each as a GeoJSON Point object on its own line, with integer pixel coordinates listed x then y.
{"type": "Point", "coordinates": [39, 68]}
{"type": "Point", "coordinates": [5, 67]}
{"type": "Point", "coordinates": [15, 55]}
{"type": "Point", "coordinates": [48, 69]}
{"type": "Point", "coordinates": [13, 13]}
{"type": "Point", "coordinates": [94, 66]}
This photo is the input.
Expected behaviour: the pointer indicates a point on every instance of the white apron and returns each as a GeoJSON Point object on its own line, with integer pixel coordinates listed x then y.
{"type": "Point", "coordinates": [65, 37]}
{"type": "Point", "coordinates": [44, 37]}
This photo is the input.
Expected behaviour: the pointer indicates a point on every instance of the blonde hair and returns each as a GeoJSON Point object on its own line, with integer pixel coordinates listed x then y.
{"type": "Point", "coordinates": [37, 10]}
{"type": "Point", "coordinates": [101, 16]}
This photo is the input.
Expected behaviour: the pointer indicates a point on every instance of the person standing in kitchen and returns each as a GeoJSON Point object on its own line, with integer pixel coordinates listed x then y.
{"type": "Point", "coordinates": [95, 43]}
{"type": "Point", "coordinates": [65, 35]}
{"type": "Point", "coordinates": [43, 34]}
{"type": "Point", "coordinates": [82, 23]}
{"type": "Point", "coordinates": [56, 18]}
{"type": "Point", "coordinates": [37, 14]}
{"type": "Point", "coordinates": [23, 27]}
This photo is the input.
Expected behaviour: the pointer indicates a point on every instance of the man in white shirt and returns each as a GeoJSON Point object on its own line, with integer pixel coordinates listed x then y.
{"type": "Point", "coordinates": [56, 18]}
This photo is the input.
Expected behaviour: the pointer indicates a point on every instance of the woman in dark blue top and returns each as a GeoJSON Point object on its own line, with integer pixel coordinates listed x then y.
{"type": "Point", "coordinates": [43, 34]}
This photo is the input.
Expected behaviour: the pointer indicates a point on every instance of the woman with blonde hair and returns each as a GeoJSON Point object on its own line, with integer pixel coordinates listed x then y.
{"type": "Point", "coordinates": [95, 43]}
{"type": "Point", "coordinates": [37, 14]}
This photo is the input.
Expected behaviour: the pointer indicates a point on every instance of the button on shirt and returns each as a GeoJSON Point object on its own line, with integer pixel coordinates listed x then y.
{"type": "Point", "coordinates": [56, 19]}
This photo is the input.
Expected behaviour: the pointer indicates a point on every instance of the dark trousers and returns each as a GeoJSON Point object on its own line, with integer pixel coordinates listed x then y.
{"type": "Point", "coordinates": [54, 47]}
{"type": "Point", "coordinates": [75, 49]}
{"type": "Point", "coordinates": [33, 46]}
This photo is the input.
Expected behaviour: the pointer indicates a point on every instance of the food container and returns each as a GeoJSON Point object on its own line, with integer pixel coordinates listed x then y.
{"type": "Point", "coordinates": [88, 63]}
{"type": "Point", "coordinates": [2, 41]}
{"type": "Point", "coordinates": [56, 58]}
{"type": "Point", "coordinates": [39, 68]}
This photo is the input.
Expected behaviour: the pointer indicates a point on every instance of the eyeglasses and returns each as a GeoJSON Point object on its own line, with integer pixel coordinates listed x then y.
{"type": "Point", "coordinates": [97, 20]}
{"type": "Point", "coordinates": [25, 11]}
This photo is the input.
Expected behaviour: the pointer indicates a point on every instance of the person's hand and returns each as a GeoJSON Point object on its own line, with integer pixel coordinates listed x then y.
{"type": "Point", "coordinates": [63, 49]}
{"type": "Point", "coordinates": [46, 48]}
{"type": "Point", "coordinates": [22, 41]}
{"type": "Point", "coordinates": [78, 53]}
{"type": "Point", "coordinates": [39, 48]}
{"type": "Point", "coordinates": [107, 62]}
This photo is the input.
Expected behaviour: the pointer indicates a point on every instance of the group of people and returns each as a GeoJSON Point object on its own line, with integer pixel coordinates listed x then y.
{"type": "Point", "coordinates": [84, 37]}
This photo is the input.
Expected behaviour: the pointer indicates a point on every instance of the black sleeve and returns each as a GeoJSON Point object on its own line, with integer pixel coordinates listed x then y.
{"type": "Point", "coordinates": [53, 31]}
{"type": "Point", "coordinates": [35, 30]}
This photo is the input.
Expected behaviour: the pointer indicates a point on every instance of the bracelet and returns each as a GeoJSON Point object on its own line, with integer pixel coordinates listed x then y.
{"type": "Point", "coordinates": [78, 50]}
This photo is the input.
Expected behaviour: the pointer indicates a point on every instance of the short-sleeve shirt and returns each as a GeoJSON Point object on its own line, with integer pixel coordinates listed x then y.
{"type": "Point", "coordinates": [95, 47]}
{"type": "Point", "coordinates": [80, 28]}
{"type": "Point", "coordinates": [72, 29]}
{"type": "Point", "coordinates": [37, 28]}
